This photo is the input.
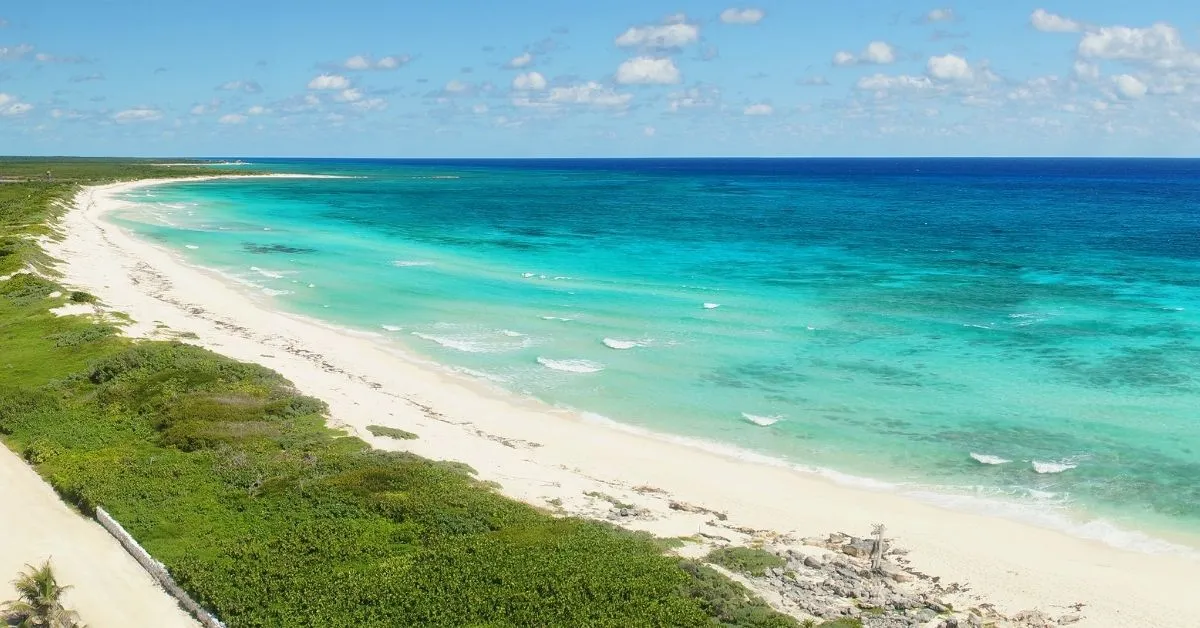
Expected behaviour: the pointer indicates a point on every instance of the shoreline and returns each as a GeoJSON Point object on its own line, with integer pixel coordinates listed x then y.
{"type": "Point", "coordinates": [542, 454]}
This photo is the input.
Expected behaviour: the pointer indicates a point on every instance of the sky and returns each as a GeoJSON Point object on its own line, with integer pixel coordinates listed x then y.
{"type": "Point", "coordinates": [543, 78]}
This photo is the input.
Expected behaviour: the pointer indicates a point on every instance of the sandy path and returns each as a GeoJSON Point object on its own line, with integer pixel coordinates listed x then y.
{"type": "Point", "coordinates": [552, 458]}
{"type": "Point", "coordinates": [110, 589]}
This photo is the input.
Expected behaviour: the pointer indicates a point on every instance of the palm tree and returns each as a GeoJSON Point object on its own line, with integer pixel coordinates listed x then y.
{"type": "Point", "coordinates": [39, 604]}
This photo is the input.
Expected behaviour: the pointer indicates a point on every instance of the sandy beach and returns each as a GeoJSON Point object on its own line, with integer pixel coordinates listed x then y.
{"type": "Point", "coordinates": [109, 588]}
{"type": "Point", "coordinates": [554, 459]}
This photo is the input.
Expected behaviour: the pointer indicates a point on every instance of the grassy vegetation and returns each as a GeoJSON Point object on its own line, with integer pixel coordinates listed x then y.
{"type": "Point", "coordinates": [747, 560]}
{"type": "Point", "coordinates": [268, 518]}
{"type": "Point", "coordinates": [391, 432]}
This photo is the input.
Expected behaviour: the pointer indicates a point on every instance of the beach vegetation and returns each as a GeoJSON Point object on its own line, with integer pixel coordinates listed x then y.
{"type": "Point", "coordinates": [843, 622]}
{"type": "Point", "coordinates": [267, 517]}
{"type": "Point", "coordinates": [39, 602]}
{"type": "Point", "coordinates": [391, 432]}
{"type": "Point", "coordinates": [747, 560]}
{"type": "Point", "coordinates": [82, 297]}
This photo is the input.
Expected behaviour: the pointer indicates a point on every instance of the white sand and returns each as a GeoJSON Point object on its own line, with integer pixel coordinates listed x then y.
{"type": "Point", "coordinates": [109, 588]}
{"type": "Point", "coordinates": [540, 454]}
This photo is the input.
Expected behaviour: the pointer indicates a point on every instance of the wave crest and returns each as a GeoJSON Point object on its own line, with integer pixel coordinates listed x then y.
{"type": "Point", "coordinates": [989, 459]}
{"type": "Point", "coordinates": [571, 366]}
{"type": "Point", "coordinates": [762, 421]}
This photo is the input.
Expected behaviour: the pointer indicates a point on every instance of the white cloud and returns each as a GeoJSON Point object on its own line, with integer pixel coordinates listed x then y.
{"type": "Point", "coordinates": [349, 95]}
{"type": "Point", "coordinates": [329, 81]}
{"type": "Point", "coordinates": [760, 109]}
{"type": "Point", "coordinates": [138, 114]}
{"type": "Point", "coordinates": [1129, 86]}
{"type": "Point", "coordinates": [391, 62]}
{"type": "Point", "coordinates": [950, 68]}
{"type": "Point", "coordinates": [456, 86]}
{"type": "Point", "coordinates": [591, 94]}
{"type": "Point", "coordinates": [15, 52]}
{"type": "Point", "coordinates": [370, 104]}
{"type": "Point", "coordinates": [232, 118]}
{"type": "Point", "coordinates": [43, 57]}
{"type": "Point", "coordinates": [649, 131]}
{"type": "Point", "coordinates": [742, 16]}
{"type": "Point", "coordinates": [648, 71]}
{"type": "Point", "coordinates": [883, 82]}
{"type": "Point", "coordinates": [940, 15]}
{"type": "Point", "coordinates": [258, 110]}
{"type": "Point", "coordinates": [694, 98]}
{"type": "Point", "coordinates": [670, 36]}
{"type": "Point", "coordinates": [250, 87]}
{"type": "Point", "coordinates": [876, 53]}
{"type": "Point", "coordinates": [12, 106]}
{"type": "Point", "coordinates": [66, 114]}
{"type": "Point", "coordinates": [529, 82]}
{"type": "Point", "coordinates": [480, 108]}
{"type": "Point", "coordinates": [358, 62]}
{"type": "Point", "coordinates": [1051, 23]}
{"type": "Point", "coordinates": [1160, 45]}
{"type": "Point", "coordinates": [1085, 71]}
{"type": "Point", "coordinates": [520, 60]}
{"type": "Point", "coordinates": [204, 109]}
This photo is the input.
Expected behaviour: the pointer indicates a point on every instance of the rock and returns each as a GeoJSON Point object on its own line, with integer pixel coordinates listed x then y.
{"type": "Point", "coordinates": [813, 562]}
{"type": "Point", "coordinates": [895, 573]}
{"type": "Point", "coordinates": [924, 616]}
{"type": "Point", "coordinates": [937, 607]}
{"type": "Point", "coordinates": [949, 623]}
{"type": "Point", "coordinates": [1067, 620]}
{"type": "Point", "coordinates": [775, 571]}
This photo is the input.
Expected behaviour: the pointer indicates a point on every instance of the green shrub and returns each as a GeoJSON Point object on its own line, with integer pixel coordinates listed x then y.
{"type": "Point", "coordinates": [82, 297]}
{"type": "Point", "coordinates": [391, 432]}
{"type": "Point", "coordinates": [754, 562]}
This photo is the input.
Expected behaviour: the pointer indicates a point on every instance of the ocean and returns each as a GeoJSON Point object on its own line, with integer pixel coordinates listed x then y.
{"type": "Point", "coordinates": [1019, 337]}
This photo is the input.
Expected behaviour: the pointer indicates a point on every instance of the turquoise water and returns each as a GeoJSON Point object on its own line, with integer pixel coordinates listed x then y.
{"type": "Point", "coordinates": [885, 319]}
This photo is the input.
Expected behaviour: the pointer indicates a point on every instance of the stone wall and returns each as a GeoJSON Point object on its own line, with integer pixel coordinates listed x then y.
{"type": "Point", "coordinates": [156, 570]}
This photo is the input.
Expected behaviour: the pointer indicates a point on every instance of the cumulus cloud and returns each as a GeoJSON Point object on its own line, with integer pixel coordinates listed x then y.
{"type": "Point", "coordinates": [249, 87]}
{"type": "Point", "coordinates": [694, 98]}
{"type": "Point", "coordinates": [1048, 22]}
{"type": "Point", "coordinates": [1159, 45]}
{"type": "Point", "coordinates": [591, 94]}
{"type": "Point", "coordinates": [1129, 86]}
{"type": "Point", "coordinates": [205, 108]}
{"type": "Point", "coordinates": [760, 109]}
{"type": "Point", "coordinates": [12, 106]}
{"type": "Point", "coordinates": [257, 110]}
{"type": "Point", "coordinates": [479, 108]}
{"type": "Point", "coordinates": [520, 61]}
{"type": "Point", "coordinates": [883, 82]}
{"type": "Point", "coordinates": [233, 118]}
{"type": "Point", "coordinates": [43, 57]}
{"type": "Point", "coordinates": [1085, 71]}
{"type": "Point", "coordinates": [456, 86]}
{"type": "Point", "coordinates": [940, 15]}
{"type": "Point", "coordinates": [529, 82]}
{"type": "Point", "coordinates": [370, 104]}
{"type": "Point", "coordinates": [649, 71]}
{"type": "Point", "coordinates": [742, 16]}
{"type": "Point", "coordinates": [329, 81]}
{"type": "Point", "coordinates": [138, 114]}
{"type": "Point", "coordinates": [876, 53]}
{"type": "Point", "coordinates": [950, 68]}
{"type": "Point", "coordinates": [9, 53]}
{"type": "Point", "coordinates": [672, 35]}
{"type": "Point", "coordinates": [365, 62]}
{"type": "Point", "coordinates": [348, 95]}
{"type": "Point", "coordinates": [649, 131]}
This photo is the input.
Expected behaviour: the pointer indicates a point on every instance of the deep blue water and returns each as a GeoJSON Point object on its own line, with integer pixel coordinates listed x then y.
{"type": "Point", "coordinates": [883, 318]}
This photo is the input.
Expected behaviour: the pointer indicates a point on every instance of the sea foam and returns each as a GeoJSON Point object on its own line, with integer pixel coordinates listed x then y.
{"type": "Point", "coordinates": [762, 421]}
{"type": "Point", "coordinates": [989, 459]}
{"type": "Point", "coordinates": [613, 343]}
{"type": "Point", "coordinates": [711, 306]}
{"type": "Point", "coordinates": [1053, 467]}
{"type": "Point", "coordinates": [404, 263]}
{"type": "Point", "coordinates": [571, 366]}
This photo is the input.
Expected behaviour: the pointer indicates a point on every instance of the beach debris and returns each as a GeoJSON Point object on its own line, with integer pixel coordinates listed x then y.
{"type": "Point", "coordinates": [686, 507]}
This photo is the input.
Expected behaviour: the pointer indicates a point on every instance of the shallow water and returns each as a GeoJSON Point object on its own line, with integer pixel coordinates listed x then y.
{"type": "Point", "coordinates": [1022, 330]}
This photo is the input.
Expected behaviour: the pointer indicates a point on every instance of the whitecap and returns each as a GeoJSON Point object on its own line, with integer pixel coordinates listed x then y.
{"type": "Point", "coordinates": [1053, 467]}
{"type": "Point", "coordinates": [989, 459]}
{"type": "Point", "coordinates": [275, 293]}
{"type": "Point", "coordinates": [391, 328]}
{"type": "Point", "coordinates": [557, 318]}
{"type": "Point", "coordinates": [404, 263]}
{"type": "Point", "coordinates": [512, 334]}
{"type": "Point", "coordinates": [571, 366]}
{"type": "Point", "coordinates": [527, 275]}
{"type": "Point", "coordinates": [613, 343]}
{"type": "Point", "coordinates": [466, 345]}
{"type": "Point", "coordinates": [267, 273]}
{"type": "Point", "coordinates": [190, 246]}
{"type": "Point", "coordinates": [711, 306]}
{"type": "Point", "coordinates": [762, 421]}
{"type": "Point", "coordinates": [312, 285]}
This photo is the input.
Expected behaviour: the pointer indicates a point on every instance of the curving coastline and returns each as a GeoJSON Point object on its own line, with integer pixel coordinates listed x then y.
{"type": "Point", "coordinates": [540, 454]}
